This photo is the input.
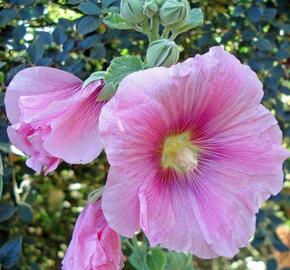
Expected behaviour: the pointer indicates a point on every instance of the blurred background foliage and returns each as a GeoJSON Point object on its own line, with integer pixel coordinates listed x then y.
{"type": "Point", "coordinates": [37, 212]}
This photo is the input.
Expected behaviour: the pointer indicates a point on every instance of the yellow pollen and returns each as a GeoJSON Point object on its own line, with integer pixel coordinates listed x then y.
{"type": "Point", "coordinates": [179, 153]}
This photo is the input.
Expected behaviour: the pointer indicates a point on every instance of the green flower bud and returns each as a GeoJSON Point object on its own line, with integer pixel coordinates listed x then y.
{"type": "Point", "coordinates": [150, 8]}
{"type": "Point", "coordinates": [174, 12]}
{"type": "Point", "coordinates": [132, 10]}
{"type": "Point", "coordinates": [162, 52]}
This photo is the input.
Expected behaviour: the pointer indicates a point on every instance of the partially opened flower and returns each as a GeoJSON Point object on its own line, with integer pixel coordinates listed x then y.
{"type": "Point", "coordinates": [94, 245]}
{"type": "Point", "coordinates": [193, 155]}
{"type": "Point", "coordinates": [53, 118]}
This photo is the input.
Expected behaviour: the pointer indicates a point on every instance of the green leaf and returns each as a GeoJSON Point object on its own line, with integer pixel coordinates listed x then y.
{"type": "Point", "coordinates": [179, 261]}
{"type": "Point", "coordinates": [271, 264]}
{"type": "Point", "coordinates": [1, 165]}
{"type": "Point", "coordinates": [89, 8]}
{"type": "Point", "coordinates": [36, 50]}
{"type": "Point", "coordinates": [116, 21]}
{"type": "Point", "coordinates": [1, 179]}
{"type": "Point", "coordinates": [99, 75]}
{"type": "Point", "coordinates": [156, 259]}
{"type": "Point", "coordinates": [2, 64]}
{"type": "Point", "coordinates": [194, 19]}
{"type": "Point", "coordinates": [5, 147]}
{"type": "Point", "coordinates": [120, 67]}
{"type": "Point", "coordinates": [263, 44]}
{"type": "Point", "coordinates": [25, 212]}
{"type": "Point", "coordinates": [6, 211]}
{"type": "Point", "coordinates": [10, 252]}
{"type": "Point", "coordinates": [88, 24]}
{"type": "Point", "coordinates": [137, 259]}
{"type": "Point", "coordinates": [1, 186]}
{"type": "Point", "coordinates": [107, 92]}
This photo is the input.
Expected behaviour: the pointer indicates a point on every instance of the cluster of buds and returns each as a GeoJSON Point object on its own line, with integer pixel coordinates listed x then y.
{"type": "Point", "coordinates": [171, 13]}
{"type": "Point", "coordinates": [162, 21]}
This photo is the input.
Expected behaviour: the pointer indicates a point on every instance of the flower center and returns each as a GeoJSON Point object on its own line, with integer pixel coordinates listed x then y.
{"type": "Point", "coordinates": [179, 153]}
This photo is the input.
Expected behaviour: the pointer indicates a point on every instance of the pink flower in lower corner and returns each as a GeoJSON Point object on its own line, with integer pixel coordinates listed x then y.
{"type": "Point", "coordinates": [53, 118]}
{"type": "Point", "coordinates": [193, 155]}
{"type": "Point", "coordinates": [94, 245]}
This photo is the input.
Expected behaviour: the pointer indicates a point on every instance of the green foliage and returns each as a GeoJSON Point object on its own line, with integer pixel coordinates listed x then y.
{"type": "Point", "coordinates": [179, 261]}
{"type": "Point", "coordinates": [116, 21]}
{"type": "Point", "coordinates": [120, 67]}
{"type": "Point", "coordinates": [156, 259]}
{"type": "Point", "coordinates": [10, 253]}
{"type": "Point", "coordinates": [70, 35]}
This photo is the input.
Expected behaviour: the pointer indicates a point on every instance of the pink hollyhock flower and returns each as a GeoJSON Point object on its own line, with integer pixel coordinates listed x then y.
{"type": "Point", "coordinates": [193, 155]}
{"type": "Point", "coordinates": [94, 245]}
{"type": "Point", "coordinates": [53, 118]}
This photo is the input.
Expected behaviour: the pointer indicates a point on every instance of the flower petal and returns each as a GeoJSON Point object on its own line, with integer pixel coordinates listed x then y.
{"type": "Point", "coordinates": [74, 135]}
{"type": "Point", "coordinates": [37, 81]}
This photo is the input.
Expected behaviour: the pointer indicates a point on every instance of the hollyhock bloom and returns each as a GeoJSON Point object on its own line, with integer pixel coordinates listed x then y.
{"type": "Point", "coordinates": [193, 155]}
{"type": "Point", "coordinates": [53, 118]}
{"type": "Point", "coordinates": [94, 245]}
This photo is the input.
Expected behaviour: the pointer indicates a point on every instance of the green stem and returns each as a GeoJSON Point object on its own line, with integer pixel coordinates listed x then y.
{"type": "Point", "coordinates": [174, 35]}
{"type": "Point", "coordinates": [154, 29]}
{"type": "Point", "coordinates": [129, 244]}
{"type": "Point", "coordinates": [165, 33]}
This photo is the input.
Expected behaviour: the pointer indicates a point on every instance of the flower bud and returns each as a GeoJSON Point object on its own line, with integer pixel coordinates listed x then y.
{"type": "Point", "coordinates": [174, 12]}
{"type": "Point", "coordinates": [162, 52]}
{"type": "Point", "coordinates": [150, 8]}
{"type": "Point", "coordinates": [132, 10]}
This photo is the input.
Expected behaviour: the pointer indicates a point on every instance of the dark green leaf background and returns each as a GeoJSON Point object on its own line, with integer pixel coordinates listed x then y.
{"type": "Point", "coordinates": [38, 212]}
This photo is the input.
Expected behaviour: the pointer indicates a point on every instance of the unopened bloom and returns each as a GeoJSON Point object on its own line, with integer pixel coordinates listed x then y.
{"type": "Point", "coordinates": [193, 155]}
{"type": "Point", "coordinates": [94, 245]}
{"type": "Point", "coordinates": [53, 118]}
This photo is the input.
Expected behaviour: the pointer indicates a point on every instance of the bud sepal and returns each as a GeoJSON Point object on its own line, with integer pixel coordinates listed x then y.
{"type": "Point", "coordinates": [132, 10]}
{"type": "Point", "coordinates": [162, 52]}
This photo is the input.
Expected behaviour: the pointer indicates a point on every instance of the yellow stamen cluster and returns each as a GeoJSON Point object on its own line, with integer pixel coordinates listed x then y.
{"type": "Point", "coordinates": [179, 153]}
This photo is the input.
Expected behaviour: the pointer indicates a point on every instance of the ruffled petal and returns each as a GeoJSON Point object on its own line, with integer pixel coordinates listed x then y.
{"type": "Point", "coordinates": [37, 81]}
{"type": "Point", "coordinates": [30, 141]}
{"type": "Point", "coordinates": [74, 135]}
{"type": "Point", "coordinates": [94, 245]}
{"type": "Point", "coordinates": [209, 211]}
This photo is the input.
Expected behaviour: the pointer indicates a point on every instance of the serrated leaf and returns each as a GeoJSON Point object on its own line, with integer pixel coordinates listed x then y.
{"type": "Point", "coordinates": [6, 211]}
{"type": "Point", "coordinates": [156, 259]}
{"type": "Point", "coordinates": [120, 67]}
{"type": "Point", "coordinates": [116, 21]}
{"type": "Point", "coordinates": [10, 252]}
{"type": "Point", "coordinates": [179, 261]}
{"type": "Point", "coordinates": [194, 19]}
{"type": "Point", "coordinates": [99, 75]}
{"type": "Point", "coordinates": [25, 212]}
